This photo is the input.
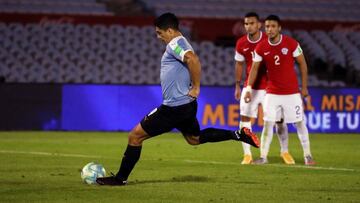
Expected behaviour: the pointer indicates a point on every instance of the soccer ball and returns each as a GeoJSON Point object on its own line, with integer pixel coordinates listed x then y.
{"type": "Point", "coordinates": [91, 171]}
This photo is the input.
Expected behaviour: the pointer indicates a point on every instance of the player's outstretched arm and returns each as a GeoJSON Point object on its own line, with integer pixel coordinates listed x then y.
{"type": "Point", "coordinates": [304, 74]}
{"type": "Point", "coordinates": [238, 76]}
{"type": "Point", "coordinates": [193, 62]}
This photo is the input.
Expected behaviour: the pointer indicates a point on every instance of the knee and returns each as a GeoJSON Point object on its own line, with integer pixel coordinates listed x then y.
{"type": "Point", "coordinates": [299, 124]}
{"type": "Point", "coordinates": [281, 127]}
{"type": "Point", "coordinates": [192, 140]}
{"type": "Point", "coordinates": [269, 125]}
{"type": "Point", "coordinates": [135, 138]}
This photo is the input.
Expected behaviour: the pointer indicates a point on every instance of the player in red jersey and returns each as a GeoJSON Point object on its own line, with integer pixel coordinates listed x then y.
{"type": "Point", "coordinates": [279, 53]}
{"type": "Point", "coordinates": [244, 52]}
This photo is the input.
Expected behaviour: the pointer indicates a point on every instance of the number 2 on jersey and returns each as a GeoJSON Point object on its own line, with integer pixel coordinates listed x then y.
{"type": "Point", "coordinates": [277, 60]}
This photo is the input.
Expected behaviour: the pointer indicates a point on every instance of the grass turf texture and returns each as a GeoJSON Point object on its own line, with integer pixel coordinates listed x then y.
{"type": "Point", "coordinates": [45, 167]}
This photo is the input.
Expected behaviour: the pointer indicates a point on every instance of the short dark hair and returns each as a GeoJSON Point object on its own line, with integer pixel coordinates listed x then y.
{"type": "Point", "coordinates": [274, 18]}
{"type": "Point", "coordinates": [252, 14]}
{"type": "Point", "coordinates": [166, 21]}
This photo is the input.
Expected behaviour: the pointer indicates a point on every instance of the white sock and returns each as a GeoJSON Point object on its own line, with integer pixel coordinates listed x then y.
{"type": "Point", "coordinates": [303, 135]}
{"type": "Point", "coordinates": [283, 135]}
{"type": "Point", "coordinates": [246, 147]}
{"type": "Point", "coordinates": [266, 138]}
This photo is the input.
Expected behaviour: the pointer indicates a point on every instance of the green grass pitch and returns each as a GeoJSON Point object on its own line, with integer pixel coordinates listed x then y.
{"type": "Point", "coordinates": [45, 167]}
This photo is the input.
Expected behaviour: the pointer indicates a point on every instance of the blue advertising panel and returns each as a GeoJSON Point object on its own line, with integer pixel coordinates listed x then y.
{"type": "Point", "coordinates": [334, 110]}
{"type": "Point", "coordinates": [113, 107]}
{"type": "Point", "coordinates": [106, 107]}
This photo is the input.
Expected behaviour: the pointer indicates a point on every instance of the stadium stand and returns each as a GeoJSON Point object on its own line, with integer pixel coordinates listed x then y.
{"type": "Point", "coordinates": [323, 10]}
{"type": "Point", "coordinates": [61, 53]}
{"type": "Point", "coordinates": [78, 7]}
{"type": "Point", "coordinates": [88, 7]}
{"type": "Point", "coordinates": [115, 54]}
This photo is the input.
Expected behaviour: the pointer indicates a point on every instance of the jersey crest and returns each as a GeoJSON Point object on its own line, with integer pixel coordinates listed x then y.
{"type": "Point", "coordinates": [284, 51]}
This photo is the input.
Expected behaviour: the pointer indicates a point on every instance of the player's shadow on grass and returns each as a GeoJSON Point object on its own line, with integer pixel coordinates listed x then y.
{"type": "Point", "coordinates": [187, 179]}
{"type": "Point", "coordinates": [179, 179]}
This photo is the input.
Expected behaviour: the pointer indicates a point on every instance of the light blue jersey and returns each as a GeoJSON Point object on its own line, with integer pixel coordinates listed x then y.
{"type": "Point", "coordinates": [174, 73]}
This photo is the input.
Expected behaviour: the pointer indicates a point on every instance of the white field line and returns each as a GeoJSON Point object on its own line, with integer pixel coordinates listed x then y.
{"type": "Point", "coordinates": [186, 160]}
{"type": "Point", "coordinates": [48, 154]}
{"type": "Point", "coordinates": [276, 165]}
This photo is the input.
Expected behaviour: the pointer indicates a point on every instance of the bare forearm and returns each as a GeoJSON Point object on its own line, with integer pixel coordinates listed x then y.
{"type": "Point", "coordinates": [238, 72]}
{"type": "Point", "coordinates": [253, 73]}
{"type": "Point", "coordinates": [304, 75]}
{"type": "Point", "coordinates": [303, 70]}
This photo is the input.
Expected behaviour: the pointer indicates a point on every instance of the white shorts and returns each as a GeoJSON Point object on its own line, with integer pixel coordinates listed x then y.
{"type": "Point", "coordinates": [251, 109]}
{"type": "Point", "coordinates": [290, 107]}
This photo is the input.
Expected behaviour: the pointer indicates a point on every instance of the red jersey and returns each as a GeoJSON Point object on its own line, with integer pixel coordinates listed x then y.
{"type": "Point", "coordinates": [244, 52]}
{"type": "Point", "coordinates": [279, 61]}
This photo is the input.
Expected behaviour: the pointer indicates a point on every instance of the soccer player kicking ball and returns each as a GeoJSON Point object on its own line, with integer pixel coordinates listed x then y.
{"type": "Point", "coordinates": [180, 83]}
{"type": "Point", "coordinates": [282, 91]}
{"type": "Point", "coordinates": [244, 52]}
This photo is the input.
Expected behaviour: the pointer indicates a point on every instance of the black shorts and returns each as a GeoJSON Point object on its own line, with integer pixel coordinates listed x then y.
{"type": "Point", "coordinates": [165, 118]}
